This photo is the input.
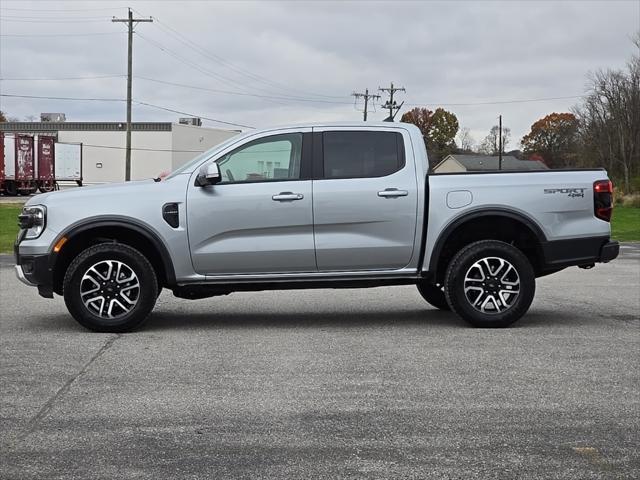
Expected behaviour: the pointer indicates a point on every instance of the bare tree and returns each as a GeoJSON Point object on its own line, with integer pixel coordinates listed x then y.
{"type": "Point", "coordinates": [610, 120]}
{"type": "Point", "coordinates": [489, 145]}
{"type": "Point", "coordinates": [466, 140]}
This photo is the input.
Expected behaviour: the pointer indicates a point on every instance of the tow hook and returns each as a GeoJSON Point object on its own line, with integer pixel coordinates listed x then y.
{"type": "Point", "coordinates": [588, 267]}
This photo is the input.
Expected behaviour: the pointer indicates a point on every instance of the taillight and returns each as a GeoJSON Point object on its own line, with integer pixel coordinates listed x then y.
{"type": "Point", "coordinates": [603, 199]}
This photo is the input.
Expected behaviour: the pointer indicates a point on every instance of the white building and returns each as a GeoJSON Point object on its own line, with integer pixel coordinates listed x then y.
{"type": "Point", "coordinates": [155, 146]}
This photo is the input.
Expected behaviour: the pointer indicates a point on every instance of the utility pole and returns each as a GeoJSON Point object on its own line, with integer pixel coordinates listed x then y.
{"type": "Point", "coordinates": [391, 105]}
{"type": "Point", "coordinates": [366, 97]}
{"type": "Point", "coordinates": [500, 143]}
{"type": "Point", "coordinates": [130, 21]}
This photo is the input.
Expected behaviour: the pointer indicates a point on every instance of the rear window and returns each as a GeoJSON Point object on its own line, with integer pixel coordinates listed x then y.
{"type": "Point", "coordinates": [362, 154]}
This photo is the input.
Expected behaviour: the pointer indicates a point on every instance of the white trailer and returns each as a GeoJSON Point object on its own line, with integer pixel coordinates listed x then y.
{"type": "Point", "coordinates": [68, 162]}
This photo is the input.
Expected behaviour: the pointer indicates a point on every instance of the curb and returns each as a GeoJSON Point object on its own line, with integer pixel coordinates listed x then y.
{"type": "Point", "coordinates": [7, 259]}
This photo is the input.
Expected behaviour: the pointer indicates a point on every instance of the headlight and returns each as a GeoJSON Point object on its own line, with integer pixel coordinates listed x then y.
{"type": "Point", "coordinates": [33, 219]}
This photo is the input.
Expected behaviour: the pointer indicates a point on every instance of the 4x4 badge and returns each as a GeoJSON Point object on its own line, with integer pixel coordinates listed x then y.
{"type": "Point", "coordinates": [571, 192]}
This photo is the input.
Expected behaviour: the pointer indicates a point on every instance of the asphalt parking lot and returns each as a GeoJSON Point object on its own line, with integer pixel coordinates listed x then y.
{"type": "Point", "coordinates": [327, 384]}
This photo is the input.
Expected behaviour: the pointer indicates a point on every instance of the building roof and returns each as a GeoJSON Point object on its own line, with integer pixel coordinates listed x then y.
{"type": "Point", "coordinates": [485, 162]}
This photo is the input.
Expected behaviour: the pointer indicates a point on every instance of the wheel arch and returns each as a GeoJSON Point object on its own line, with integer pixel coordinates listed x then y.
{"type": "Point", "coordinates": [501, 224]}
{"type": "Point", "coordinates": [104, 229]}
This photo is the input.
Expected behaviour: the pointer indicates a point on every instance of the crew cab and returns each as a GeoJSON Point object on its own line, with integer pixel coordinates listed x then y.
{"type": "Point", "coordinates": [316, 206]}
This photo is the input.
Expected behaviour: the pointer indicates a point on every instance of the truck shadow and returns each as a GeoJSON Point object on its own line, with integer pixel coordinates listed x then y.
{"type": "Point", "coordinates": [166, 320]}
{"type": "Point", "coordinates": [413, 318]}
{"type": "Point", "coordinates": [407, 318]}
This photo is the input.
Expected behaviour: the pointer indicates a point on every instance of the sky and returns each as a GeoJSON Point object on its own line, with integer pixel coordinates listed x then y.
{"type": "Point", "coordinates": [268, 63]}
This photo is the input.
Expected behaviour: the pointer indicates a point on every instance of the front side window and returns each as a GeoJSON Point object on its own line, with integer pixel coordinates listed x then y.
{"type": "Point", "coordinates": [362, 154]}
{"type": "Point", "coordinates": [266, 159]}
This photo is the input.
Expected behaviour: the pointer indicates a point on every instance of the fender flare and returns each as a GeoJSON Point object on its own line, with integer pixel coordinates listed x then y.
{"type": "Point", "coordinates": [120, 221]}
{"type": "Point", "coordinates": [491, 212]}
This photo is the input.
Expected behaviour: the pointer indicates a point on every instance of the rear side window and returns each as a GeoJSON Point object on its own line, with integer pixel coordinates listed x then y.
{"type": "Point", "coordinates": [362, 154]}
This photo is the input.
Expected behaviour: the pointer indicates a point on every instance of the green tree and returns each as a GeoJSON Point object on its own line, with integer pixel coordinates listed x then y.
{"type": "Point", "coordinates": [444, 128]}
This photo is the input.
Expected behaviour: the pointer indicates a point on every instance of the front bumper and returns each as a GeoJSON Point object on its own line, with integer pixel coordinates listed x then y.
{"type": "Point", "coordinates": [34, 270]}
{"type": "Point", "coordinates": [22, 277]}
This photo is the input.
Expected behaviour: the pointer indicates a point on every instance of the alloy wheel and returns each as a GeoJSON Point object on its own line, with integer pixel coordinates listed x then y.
{"type": "Point", "coordinates": [110, 289]}
{"type": "Point", "coordinates": [491, 285]}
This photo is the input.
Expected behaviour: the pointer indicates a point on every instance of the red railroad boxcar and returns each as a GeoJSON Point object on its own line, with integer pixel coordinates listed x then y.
{"type": "Point", "coordinates": [46, 165]}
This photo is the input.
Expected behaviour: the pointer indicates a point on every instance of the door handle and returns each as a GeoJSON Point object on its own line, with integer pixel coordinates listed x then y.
{"type": "Point", "coordinates": [392, 192]}
{"type": "Point", "coordinates": [287, 197]}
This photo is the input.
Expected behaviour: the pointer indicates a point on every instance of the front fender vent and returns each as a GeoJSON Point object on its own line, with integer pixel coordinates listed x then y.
{"type": "Point", "coordinates": [171, 215]}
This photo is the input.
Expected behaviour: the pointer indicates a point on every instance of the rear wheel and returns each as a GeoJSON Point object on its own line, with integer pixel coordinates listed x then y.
{"type": "Point", "coordinates": [47, 186]}
{"type": "Point", "coordinates": [110, 287]}
{"type": "Point", "coordinates": [434, 295]}
{"type": "Point", "coordinates": [490, 284]}
{"type": "Point", "coordinates": [10, 188]}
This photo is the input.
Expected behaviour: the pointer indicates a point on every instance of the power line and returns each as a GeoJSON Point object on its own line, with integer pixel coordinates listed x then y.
{"type": "Point", "coordinates": [142, 149]}
{"type": "Point", "coordinates": [88, 34]}
{"type": "Point", "coordinates": [223, 79]}
{"type": "Point", "coordinates": [33, 79]}
{"type": "Point", "coordinates": [55, 19]}
{"type": "Point", "coordinates": [62, 10]}
{"type": "Point", "coordinates": [63, 98]}
{"type": "Point", "coordinates": [495, 102]}
{"type": "Point", "coordinates": [195, 66]}
{"type": "Point", "coordinates": [123, 100]}
{"type": "Point", "coordinates": [192, 115]}
{"type": "Point", "coordinates": [498, 102]}
{"type": "Point", "coordinates": [230, 92]}
{"type": "Point", "coordinates": [44, 20]}
{"type": "Point", "coordinates": [242, 71]}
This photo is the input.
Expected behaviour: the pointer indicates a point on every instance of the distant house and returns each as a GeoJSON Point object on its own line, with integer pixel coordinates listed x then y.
{"type": "Point", "coordinates": [474, 163]}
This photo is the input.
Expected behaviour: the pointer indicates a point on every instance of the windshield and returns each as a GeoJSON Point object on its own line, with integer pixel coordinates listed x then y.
{"type": "Point", "coordinates": [203, 156]}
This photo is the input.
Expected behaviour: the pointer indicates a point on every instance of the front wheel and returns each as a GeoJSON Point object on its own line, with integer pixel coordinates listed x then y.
{"type": "Point", "coordinates": [490, 284]}
{"type": "Point", "coordinates": [110, 287]}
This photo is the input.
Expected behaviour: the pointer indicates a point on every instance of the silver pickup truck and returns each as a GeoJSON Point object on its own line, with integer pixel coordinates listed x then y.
{"type": "Point", "coordinates": [316, 206]}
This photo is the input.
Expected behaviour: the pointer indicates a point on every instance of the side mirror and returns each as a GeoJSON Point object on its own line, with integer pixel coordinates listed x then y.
{"type": "Point", "coordinates": [209, 174]}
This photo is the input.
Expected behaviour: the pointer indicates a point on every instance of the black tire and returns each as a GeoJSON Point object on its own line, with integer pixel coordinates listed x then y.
{"type": "Point", "coordinates": [434, 295]}
{"type": "Point", "coordinates": [496, 290]}
{"type": "Point", "coordinates": [47, 187]}
{"type": "Point", "coordinates": [117, 259]}
{"type": "Point", "coordinates": [10, 188]}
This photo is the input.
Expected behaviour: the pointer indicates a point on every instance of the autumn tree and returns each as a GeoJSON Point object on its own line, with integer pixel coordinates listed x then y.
{"type": "Point", "coordinates": [439, 129]}
{"type": "Point", "coordinates": [491, 143]}
{"type": "Point", "coordinates": [554, 138]}
{"type": "Point", "coordinates": [2, 117]}
{"type": "Point", "coordinates": [421, 118]}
